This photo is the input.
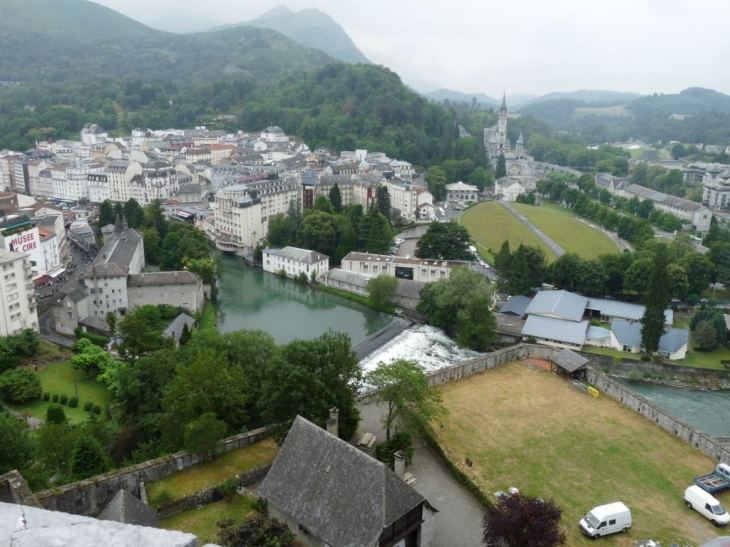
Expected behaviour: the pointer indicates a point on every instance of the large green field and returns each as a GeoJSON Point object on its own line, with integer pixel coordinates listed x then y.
{"type": "Point", "coordinates": [524, 426]}
{"type": "Point", "coordinates": [489, 224]}
{"type": "Point", "coordinates": [59, 378]}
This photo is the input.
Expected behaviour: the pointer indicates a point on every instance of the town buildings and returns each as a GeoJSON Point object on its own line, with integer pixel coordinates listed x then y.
{"type": "Point", "coordinates": [17, 293]}
{"type": "Point", "coordinates": [413, 269]}
{"type": "Point", "coordinates": [295, 262]}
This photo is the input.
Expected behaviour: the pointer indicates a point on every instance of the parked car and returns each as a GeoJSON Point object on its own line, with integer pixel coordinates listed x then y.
{"type": "Point", "coordinates": [606, 519]}
{"type": "Point", "coordinates": [706, 505]}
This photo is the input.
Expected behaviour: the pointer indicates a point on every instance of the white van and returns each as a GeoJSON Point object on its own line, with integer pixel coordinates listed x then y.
{"type": "Point", "coordinates": [706, 505]}
{"type": "Point", "coordinates": [606, 519]}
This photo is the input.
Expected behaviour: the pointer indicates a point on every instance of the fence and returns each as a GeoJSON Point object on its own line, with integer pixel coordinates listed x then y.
{"type": "Point", "coordinates": [90, 496]}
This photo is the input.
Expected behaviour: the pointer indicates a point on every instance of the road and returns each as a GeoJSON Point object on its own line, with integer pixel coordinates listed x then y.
{"type": "Point", "coordinates": [459, 520]}
{"type": "Point", "coordinates": [549, 243]}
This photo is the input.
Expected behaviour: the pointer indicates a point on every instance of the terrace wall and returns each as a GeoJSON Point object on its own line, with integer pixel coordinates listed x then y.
{"type": "Point", "coordinates": [90, 496]}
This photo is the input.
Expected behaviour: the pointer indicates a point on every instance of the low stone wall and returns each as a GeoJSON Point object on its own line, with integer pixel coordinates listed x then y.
{"type": "Point", "coordinates": [90, 496]}
{"type": "Point", "coordinates": [700, 440]}
{"type": "Point", "coordinates": [210, 495]}
{"type": "Point", "coordinates": [675, 375]}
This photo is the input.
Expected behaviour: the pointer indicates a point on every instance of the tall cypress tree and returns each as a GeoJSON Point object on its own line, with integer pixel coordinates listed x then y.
{"type": "Point", "coordinates": [501, 169]}
{"type": "Point", "coordinates": [336, 198]}
{"type": "Point", "coordinates": [657, 299]}
{"type": "Point", "coordinates": [383, 201]}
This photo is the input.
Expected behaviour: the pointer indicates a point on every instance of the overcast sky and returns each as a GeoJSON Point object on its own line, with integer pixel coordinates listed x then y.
{"type": "Point", "coordinates": [533, 46]}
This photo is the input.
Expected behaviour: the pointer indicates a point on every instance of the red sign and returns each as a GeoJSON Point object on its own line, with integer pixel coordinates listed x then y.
{"type": "Point", "coordinates": [25, 242]}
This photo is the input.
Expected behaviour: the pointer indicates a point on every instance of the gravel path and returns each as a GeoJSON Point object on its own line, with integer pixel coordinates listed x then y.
{"type": "Point", "coordinates": [459, 519]}
{"type": "Point", "coordinates": [550, 243]}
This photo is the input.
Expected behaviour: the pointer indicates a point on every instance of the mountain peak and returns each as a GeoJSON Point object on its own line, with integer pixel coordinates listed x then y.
{"type": "Point", "coordinates": [278, 11]}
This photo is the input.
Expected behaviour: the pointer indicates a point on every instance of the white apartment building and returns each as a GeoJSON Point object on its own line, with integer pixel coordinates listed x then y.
{"type": "Point", "coordinates": [295, 261]}
{"type": "Point", "coordinates": [93, 134]}
{"type": "Point", "coordinates": [403, 197]}
{"type": "Point", "coordinates": [98, 183]}
{"type": "Point", "coordinates": [160, 182]}
{"type": "Point", "coordinates": [34, 182]}
{"type": "Point", "coordinates": [509, 189]}
{"type": "Point", "coordinates": [243, 211]}
{"type": "Point", "coordinates": [17, 294]}
{"type": "Point", "coordinates": [45, 184]}
{"type": "Point", "coordinates": [119, 175]}
{"type": "Point", "coordinates": [414, 269]}
{"type": "Point", "coordinates": [220, 152]}
{"type": "Point", "coordinates": [51, 251]}
{"type": "Point", "coordinates": [59, 178]}
{"type": "Point", "coordinates": [274, 133]}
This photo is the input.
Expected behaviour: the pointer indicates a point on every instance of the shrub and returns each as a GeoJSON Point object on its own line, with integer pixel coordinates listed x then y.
{"type": "Point", "coordinates": [55, 397]}
{"type": "Point", "coordinates": [645, 358]}
{"type": "Point", "coordinates": [55, 414]}
{"type": "Point", "coordinates": [162, 499]}
{"type": "Point", "coordinates": [398, 441]}
{"type": "Point", "coordinates": [20, 385]}
{"type": "Point", "coordinates": [281, 273]}
{"type": "Point", "coordinates": [64, 399]}
{"type": "Point", "coordinates": [46, 396]}
{"type": "Point", "coordinates": [96, 339]}
{"type": "Point", "coordinates": [96, 409]}
{"type": "Point", "coordinates": [73, 401]}
{"type": "Point", "coordinates": [229, 486]}
{"type": "Point", "coordinates": [88, 405]}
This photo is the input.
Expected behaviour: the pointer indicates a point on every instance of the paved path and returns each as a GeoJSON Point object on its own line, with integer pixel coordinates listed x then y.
{"type": "Point", "coordinates": [30, 421]}
{"type": "Point", "coordinates": [459, 520]}
{"type": "Point", "coordinates": [550, 243]}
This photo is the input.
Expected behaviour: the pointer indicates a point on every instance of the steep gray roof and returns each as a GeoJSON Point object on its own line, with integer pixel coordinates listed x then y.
{"type": "Point", "coordinates": [517, 305]}
{"type": "Point", "coordinates": [562, 304]}
{"type": "Point", "coordinates": [353, 278]}
{"type": "Point", "coordinates": [337, 492]}
{"type": "Point", "coordinates": [118, 251]}
{"type": "Point", "coordinates": [624, 310]}
{"type": "Point", "coordinates": [74, 289]}
{"type": "Point", "coordinates": [569, 360]}
{"type": "Point", "coordinates": [175, 328]}
{"type": "Point", "coordinates": [570, 332]}
{"type": "Point", "coordinates": [629, 333]}
{"type": "Point", "coordinates": [127, 509]}
{"type": "Point", "coordinates": [163, 278]}
{"type": "Point", "coordinates": [42, 528]}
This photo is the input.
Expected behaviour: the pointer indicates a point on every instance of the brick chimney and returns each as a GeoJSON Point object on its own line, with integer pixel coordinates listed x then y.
{"type": "Point", "coordinates": [399, 464]}
{"type": "Point", "coordinates": [333, 421]}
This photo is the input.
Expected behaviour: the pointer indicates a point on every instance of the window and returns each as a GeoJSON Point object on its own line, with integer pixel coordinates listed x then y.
{"type": "Point", "coordinates": [10, 276]}
{"type": "Point", "coordinates": [612, 522]}
{"type": "Point", "coordinates": [12, 287]}
{"type": "Point", "coordinates": [70, 314]}
{"type": "Point", "coordinates": [101, 291]}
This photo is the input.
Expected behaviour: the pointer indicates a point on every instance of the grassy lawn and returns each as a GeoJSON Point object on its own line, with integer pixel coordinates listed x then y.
{"type": "Point", "coordinates": [58, 378]}
{"type": "Point", "coordinates": [525, 427]}
{"type": "Point", "coordinates": [567, 231]}
{"type": "Point", "coordinates": [201, 522]}
{"type": "Point", "coordinates": [489, 224]}
{"type": "Point", "coordinates": [702, 359]}
{"type": "Point", "coordinates": [50, 351]}
{"type": "Point", "coordinates": [206, 475]}
{"type": "Point", "coordinates": [207, 319]}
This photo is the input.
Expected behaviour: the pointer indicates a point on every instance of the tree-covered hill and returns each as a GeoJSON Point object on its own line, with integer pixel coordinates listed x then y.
{"type": "Point", "coordinates": [311, 28]}
{"type": "Point", "coordinates": [77, 40]}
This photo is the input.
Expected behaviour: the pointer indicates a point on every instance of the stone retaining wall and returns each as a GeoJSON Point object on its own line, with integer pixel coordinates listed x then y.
{"type": "Point", "coordinates": [90, 496]}
{"type": "Point", "coordinates": [700, 440]}
{"type": "Point", "coordinates": [209, 495]}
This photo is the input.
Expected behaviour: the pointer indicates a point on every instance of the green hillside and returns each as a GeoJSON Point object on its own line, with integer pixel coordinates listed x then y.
{"type": "Point", "coordinates": [79, 20]}
{"type": "Point", "coordinates": [311, 28]}
{"type": "Point", "coordinates": [76, 40]}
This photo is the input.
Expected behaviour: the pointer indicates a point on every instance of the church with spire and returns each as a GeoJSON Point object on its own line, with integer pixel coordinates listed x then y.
{"type": "Point", "coordinates": [497, 142]}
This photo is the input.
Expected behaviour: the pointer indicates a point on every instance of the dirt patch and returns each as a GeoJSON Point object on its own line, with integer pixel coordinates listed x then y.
{"type": "Point", "coordinates": [536, 364]}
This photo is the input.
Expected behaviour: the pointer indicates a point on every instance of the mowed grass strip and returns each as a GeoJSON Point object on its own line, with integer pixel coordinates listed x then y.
{"type": "Point", "coordinates": [567, 231]}
{"type": "Point", "coordinates": [490, 224]}
{"type": "Point", "coordinates": [59, 378]}
{"type": "Point", "coordinates": [202, 522]}
{"type": "Point", "coordinates": [212, 473]}
{"type": "Point", "coordinates": [525, 427]}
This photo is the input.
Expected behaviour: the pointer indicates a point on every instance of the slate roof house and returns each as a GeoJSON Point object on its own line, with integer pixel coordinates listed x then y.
{"type": "Point", "coordinates": [626, 336]}
{"type": "Point", "coordinates": [330, 493]}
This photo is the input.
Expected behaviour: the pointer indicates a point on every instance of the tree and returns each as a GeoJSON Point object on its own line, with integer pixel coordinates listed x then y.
{"type": "Point", "coordinates": [705, 336]}
{"type": "Point", "coordinates": [307, 378]}
{"type": "Point", "coordinates": [481, 178]}
{"type": "Point", "coordinates": [154, 217]}
{"type": "Point", "coordinates": [16, 446]}
{"type": "Point", "coordinates": [636, 277]}
{"type": "Point", "coordinates": [318, 232]}
{"type": "Point", "coordinates": [134, 213]}
{"type": "Point", "coordinates": [323, 204]}
{"type": "Point", "coordinates": [88, 458]}
{"type": "Point", "coordinates": [503, 258]}
{"type": "Point", "coordinates": [256, 531]}
{"type": "Point", "coordinates": [501, 169]}
{"type": "Point", "coordinates": [152, 246]}
{"type": "Point", "coordinates": [403, 386]}
{"type": "Point", "coordinates": [20, 385]}
{"type": "Point", "coordinates": [185, 335]}
{"type": "Point", "coordinates": [476, 325]}
{"type": "Point", "coordinates": [94, 360]}
{"type": "Point", "coordinates": [141, 332]}
{"type": "Point", "coordinates": [106, 213]}
{"type": "Point", "coordinates": [435, 178]}
{"type": "Point", "coordinates": [383, 201]}
{"type": "Point", "coordinates": [381, 290]}
{"type": "Point", "coordinates": [522, 521]}
{"type": "Point", "coordinates": [208, 383]}
{"type": "Point", "coordinates": [205, 268]}
{"type": "Point", "coordinates": [380, 234]}
{"type": "Point", "coordinates": [444, 241]}
{"type": "Point", "coordinates": [700, 272]}
{"type": "Point", "coordinates": [202, 433]}
{"type": "Point", "coordinates": [336, 197]}
{"type": "Point", "coordinates": [281, 230]}
{"type": "Point", "coordinates": [657, 299]}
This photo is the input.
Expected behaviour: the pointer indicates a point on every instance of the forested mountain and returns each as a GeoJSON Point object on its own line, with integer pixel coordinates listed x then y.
{"type": "Point", "coordinates": [441, 95]}
{"type": "Point", "coordinates": [587, 96]}
{"type": "Point", "coordinates": [707, 117]}
{"type": "Point", "coordinates": [311, 28]}
{"type": "Point", "coordinates": [77, 40]}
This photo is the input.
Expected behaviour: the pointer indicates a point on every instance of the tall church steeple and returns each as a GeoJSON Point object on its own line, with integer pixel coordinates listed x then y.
{"type": "Point", "coordinates": [503, 108]}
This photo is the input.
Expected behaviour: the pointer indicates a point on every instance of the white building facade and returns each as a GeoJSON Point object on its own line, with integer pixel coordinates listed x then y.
{"type": "Point", "coordinates": [17, 294]}
{"type": "Point", "coordinates": [295, 262]}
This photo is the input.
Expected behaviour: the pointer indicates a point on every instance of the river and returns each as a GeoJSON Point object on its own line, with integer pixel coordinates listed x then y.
{"type": "Point", "coordinates": [708, 411]}
{"type": "Point", "coordinates": [250, 298]}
